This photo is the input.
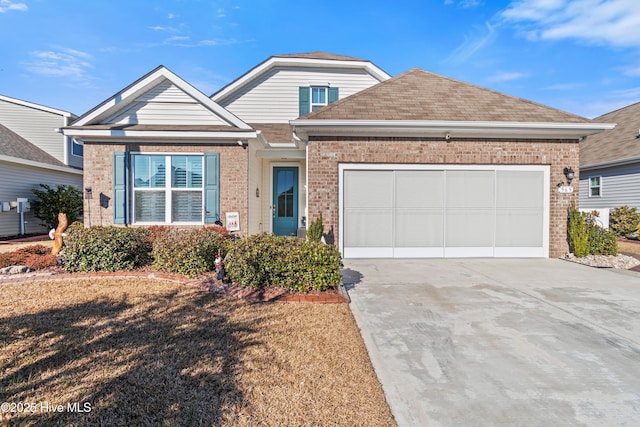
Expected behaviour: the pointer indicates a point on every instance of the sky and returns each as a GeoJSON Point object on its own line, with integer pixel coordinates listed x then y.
{"type": "Point", "coordinates": [580, 56]}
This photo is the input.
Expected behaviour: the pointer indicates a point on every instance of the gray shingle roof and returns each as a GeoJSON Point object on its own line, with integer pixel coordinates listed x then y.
{"type": "Point", "coordinates": [421, 95]}
{"type": "Point", "coordinates": [13, 145]}
{"type": "Point", "coordinates": [617, 143]}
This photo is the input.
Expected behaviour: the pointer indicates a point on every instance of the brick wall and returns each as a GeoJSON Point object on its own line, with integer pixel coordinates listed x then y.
{"type": "Point", "coordinates": [98, 172]}
{"type": "Point", "coordinates": [325, 153]}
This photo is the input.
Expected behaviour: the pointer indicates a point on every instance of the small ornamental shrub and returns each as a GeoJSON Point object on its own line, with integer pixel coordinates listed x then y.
{"type": "Point", "coordinates": [187, 251]}
{"type": "Point", "coordinates": [35, 257]}
{"type": "Point", "coordinates": [265, 260]}
{"type": "Point", "coordinates": [587, 238]}
{"type": "Point", "coordinates": [315, 230]}
{"type": "Point", "coordinates": [624, 220]}
{"type": "Point", "coordinates": [50, 202]}
{"type": "Point", "coordinates": [105, 248]}
{"type": "Point", "coordinates": [601, 241]}
{"type": "Point", "coordinates": [578, 233]}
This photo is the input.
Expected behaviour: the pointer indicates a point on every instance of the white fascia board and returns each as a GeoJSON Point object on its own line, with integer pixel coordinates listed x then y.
{"type": "Point", "coordinates": [41, 165]}
{"type": "Point", "coordinates": [130, 93]}
{"type": "Point", "coordinates": [273, 62]}
{"type": "Point", "coordinates": [612, 163]}
{"type": "Point", "coordinates": [36, 106]}
{"type": "Point", "coordinates": [143, 134]}
{"type": "Point", "coordinates": [453, 128]}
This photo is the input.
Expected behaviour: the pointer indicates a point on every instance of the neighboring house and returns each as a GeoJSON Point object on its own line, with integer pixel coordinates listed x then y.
{"type": "Point", "coordinates": [417, 165]}
{"type": "Point", "coordinates": [32, 152]}
{"type": "Point", "coordinates": [610, 163]}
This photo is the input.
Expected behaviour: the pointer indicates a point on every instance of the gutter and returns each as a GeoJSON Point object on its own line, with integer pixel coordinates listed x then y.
{"type": "Point", "coordinates": [438, 128]}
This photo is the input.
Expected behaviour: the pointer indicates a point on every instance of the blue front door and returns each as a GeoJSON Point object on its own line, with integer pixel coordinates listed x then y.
{"type": "Point", "coordinates": [285, 201]}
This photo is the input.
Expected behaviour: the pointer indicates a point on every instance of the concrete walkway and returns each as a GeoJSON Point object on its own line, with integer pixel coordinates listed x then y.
{"type": "Point", "coordinates": [481, 342]}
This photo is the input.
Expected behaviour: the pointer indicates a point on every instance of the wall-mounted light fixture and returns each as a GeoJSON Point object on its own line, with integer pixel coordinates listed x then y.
{"type": "Point", "coordinates": [569, 174]}
{"type": "Point", "coordinates": [257, 192]}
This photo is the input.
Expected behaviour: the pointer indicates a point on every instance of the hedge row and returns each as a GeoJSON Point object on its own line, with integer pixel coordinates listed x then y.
{"type": "Point", "coordinates": [260, 260]}
{"type": "Point", "coordinates": [286, 262]}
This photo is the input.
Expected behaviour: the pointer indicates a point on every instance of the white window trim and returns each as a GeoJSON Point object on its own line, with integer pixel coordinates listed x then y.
{"type": "Point", "coordinates": [326, 97]}
{"type": "Point", "coordinates": [599, 186]}
{"type": "Point", "coordinates": [168, 190]}
{"type": "Point", "coordinates": [73, 144]}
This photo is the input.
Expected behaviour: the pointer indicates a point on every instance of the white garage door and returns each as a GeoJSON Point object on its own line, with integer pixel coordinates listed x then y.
{"type": "Point", "coordinates": [443, 211]}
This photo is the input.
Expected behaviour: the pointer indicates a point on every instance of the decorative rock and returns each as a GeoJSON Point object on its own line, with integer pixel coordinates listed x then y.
{"type": "Point", "coordinates": [633, 236]}
{"type": "Point", "coordinates": [620, 261]}
{"type": "Point", "coordinates": [15, 269]}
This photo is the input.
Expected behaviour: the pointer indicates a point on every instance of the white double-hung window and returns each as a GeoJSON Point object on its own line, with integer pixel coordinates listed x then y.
{"type": "Point", "coordinates": [319, 97]}
{"type": "Point", "coordinates": [595, 186]}
{"type": "Point", "coordinates": [168, 188]}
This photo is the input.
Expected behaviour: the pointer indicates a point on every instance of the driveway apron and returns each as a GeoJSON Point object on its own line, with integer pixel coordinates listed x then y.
{"type": "Point", "coordinates": [481, 342]}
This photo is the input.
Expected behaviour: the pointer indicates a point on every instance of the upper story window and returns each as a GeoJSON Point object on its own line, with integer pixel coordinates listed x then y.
{"type": "Point", "coordinates": [313, 98]}
{"type": "Point", "coordinates": [595, 186]}
{"type": "Point", "coordinates": [318, 97]}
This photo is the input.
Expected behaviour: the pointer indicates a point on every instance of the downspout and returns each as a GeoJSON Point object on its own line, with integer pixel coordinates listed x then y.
{"type": "Point", "coordinates": [306, 171]}
{"type": "Point", "coordinates": [66, 142]}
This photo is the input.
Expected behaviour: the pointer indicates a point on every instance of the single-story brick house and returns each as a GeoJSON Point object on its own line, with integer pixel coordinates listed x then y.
{"type": "Point", "coordinates": [417, 165]}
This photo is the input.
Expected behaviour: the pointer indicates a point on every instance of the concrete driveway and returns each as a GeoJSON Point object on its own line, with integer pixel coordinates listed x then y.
{"type": "Point", "coordinates": [485, 342]}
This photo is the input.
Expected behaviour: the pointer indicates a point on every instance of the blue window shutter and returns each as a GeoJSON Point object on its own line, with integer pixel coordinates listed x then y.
{"type": "Point", "coordinates": [333, 94]}
{"type": "Point", "coordinates": [211, 187]}
{"type": "Point", "coordinates": [305, 100]}
{"type": "Point", "coordinates": [120, 184]}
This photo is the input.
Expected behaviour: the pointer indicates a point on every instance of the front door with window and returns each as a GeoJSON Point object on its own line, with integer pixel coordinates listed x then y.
{"type": "Point", "coordinates": [285, 201]}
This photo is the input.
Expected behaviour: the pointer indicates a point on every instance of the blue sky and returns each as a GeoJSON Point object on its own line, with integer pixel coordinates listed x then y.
{"type": "Point", "coordinates": [581, 56]}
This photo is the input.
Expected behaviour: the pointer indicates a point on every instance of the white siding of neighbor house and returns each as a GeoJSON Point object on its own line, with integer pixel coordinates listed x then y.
{"type": "Point", "coordinates": [36, 126]}
{"type": "Point", "coordinates": [273, 97]}
{"type": "Point", "coordinates": [618, 186]}
{"type": "Point", "coordinates": [255, 182]}
{"type": "Point", "coordinates": [22, 180]}
{"type": "Point", "coordinates": [166, 104]}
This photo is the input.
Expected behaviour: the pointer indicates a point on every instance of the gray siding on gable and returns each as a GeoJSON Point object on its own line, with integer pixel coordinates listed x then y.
{"type": "Point", "coordinates": [36, 126]}
{"type": "Point", "coordinates": [18, 181]}
{"type": "Point", "coordinates": [619, 186]}
{"type": "Point", "coordinates": [273, 97]}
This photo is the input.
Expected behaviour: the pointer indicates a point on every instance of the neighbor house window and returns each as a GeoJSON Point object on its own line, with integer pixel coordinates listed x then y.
{"type": "Point", "coordinates": [76, 149]}
{"type": "Point", "coordinates": [595, 186]}
{"type": "Point", "coordinates": [168, 189]}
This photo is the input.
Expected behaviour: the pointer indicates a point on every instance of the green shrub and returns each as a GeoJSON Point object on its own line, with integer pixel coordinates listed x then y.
{"type": "Point", "coordinates": [105, 248]}
{"type": "Point", "coordinates": [578, 234]}
{"type": "Point", "coordinates": [624, 220]}
{"type": "Point", "coordinates": [600, 241]}
{"type": "Point", "coordinates": [315, 230]}
{"type": "Point", "coordinates": [586, 238]}
{"type": "Point", "coordinates": [50, 202]}
{"type": "Point", "coordinates": [265, 260]}
{"type": "Point", "coordinates": [187, 251]}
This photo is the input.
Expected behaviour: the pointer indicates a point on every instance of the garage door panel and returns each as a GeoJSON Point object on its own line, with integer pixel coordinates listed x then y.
{"type": "Point", "coordinates": [419, 189]}
{"type": "Point", "coordinates": [470, 189]}
{"type": "Point", "coordinates": [519, 228]}
{"type": "Point", "coordinates": [469, 227]}
{"type": "Point", "coordinates": [419, 228]}
{"type": "Point", "coordinates": [520, 189]}
{"type": "Point", "coordinates": [368, 227]}
{"type": "Point", "coordinates": [368, 189]}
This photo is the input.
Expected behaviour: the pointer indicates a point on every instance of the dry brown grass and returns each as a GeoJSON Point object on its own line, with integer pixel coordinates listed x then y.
{"type": "Point", "coordinates": [145, 352]}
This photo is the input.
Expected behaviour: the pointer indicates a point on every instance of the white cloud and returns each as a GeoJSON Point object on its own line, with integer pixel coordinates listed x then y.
{"type": "Point", "coordinates": [508, 76]}
{"type": "Point", "coordinates": [7, 5]}
{"type": "Point", "coordinates": [565, 86]}
{"type": "Point", "coordinates": [220, 13]}
{"type": "Point", "coordinates": [62, 62]}
{"type": "Point", "coordinates": [472, 44]}
{"type": "Point", "coordinates": [632, 70]}
{"type": "Point", "coordinates": [608, 22]}
{"type": "Point", "coordinates": [465, 4]}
